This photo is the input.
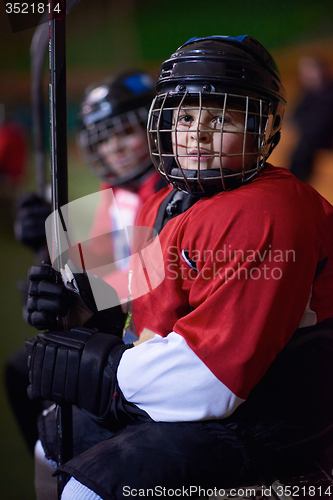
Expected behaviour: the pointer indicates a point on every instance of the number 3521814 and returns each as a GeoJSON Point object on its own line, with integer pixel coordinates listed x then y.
{"type": "Point", "coordinates": [31, 8]}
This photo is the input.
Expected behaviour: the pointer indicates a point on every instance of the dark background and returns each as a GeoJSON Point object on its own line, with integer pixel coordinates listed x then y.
{"type": "Point", "coordinates": [105, 36]}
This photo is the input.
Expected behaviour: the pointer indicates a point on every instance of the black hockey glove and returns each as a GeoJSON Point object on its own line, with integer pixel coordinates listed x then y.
{"type": "Point", "coordinates": [50, 301]}
{"type": "Point", "coordinates": [29, 226]}
{"type": "Point", "coordinates": [79, 367]}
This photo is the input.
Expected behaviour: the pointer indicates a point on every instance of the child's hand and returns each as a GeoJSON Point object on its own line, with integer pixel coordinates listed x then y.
{"type": "Point", "coordinates": [145, 335]}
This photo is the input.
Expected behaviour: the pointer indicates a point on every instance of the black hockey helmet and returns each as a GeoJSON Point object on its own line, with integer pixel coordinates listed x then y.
{"type": "Point", "coordinates": [239, 74]}
{"type": "Point", "coordinates": [118, 105]}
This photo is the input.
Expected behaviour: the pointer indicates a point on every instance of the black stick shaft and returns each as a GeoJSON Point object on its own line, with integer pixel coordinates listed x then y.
{"type": "Point", "coordinates": [38, 50]}
{"type": "Point", "coordinates": [58, 109]}
{"type": "Point", "coordinates": [59, 171]}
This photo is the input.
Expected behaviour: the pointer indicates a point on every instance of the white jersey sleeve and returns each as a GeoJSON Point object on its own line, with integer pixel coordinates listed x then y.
{"type": "Point", "coordinates": [165, 378]}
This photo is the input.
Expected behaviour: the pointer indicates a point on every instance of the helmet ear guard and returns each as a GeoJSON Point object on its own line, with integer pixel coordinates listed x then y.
{"type": "Point", "coordinates": [237, 73]}
{"type": "Point", "coordinates": [273, 131]}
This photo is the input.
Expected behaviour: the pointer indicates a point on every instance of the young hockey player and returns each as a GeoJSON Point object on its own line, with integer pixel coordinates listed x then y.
{"type": "Point", "coordinates": [113, 141]}
{"type": "Point", "coordinates": [234, 376]}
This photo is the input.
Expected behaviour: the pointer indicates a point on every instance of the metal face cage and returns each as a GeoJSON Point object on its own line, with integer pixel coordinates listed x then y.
{"type": "Point", "coordinates": [190, 134]}
{"type": "Point", "coordinates": [94, 134]}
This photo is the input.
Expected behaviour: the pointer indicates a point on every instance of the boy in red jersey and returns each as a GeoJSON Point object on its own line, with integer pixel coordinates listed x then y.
{"type": "Point", "coordinates": [231, 376]}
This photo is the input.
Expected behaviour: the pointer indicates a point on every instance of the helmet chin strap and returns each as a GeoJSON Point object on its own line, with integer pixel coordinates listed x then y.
{"type": "Point", "coordinates": [204, 174]}
{"type": "Point", "coordinates": [213, 181]}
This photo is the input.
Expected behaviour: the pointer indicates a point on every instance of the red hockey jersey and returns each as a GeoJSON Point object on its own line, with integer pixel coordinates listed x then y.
{"type": "Point", "coordinates": [243, 270]}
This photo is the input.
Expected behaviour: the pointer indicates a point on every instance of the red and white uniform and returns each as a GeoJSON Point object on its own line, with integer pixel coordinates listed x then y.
{"type": "Point", "coordinates": [107, 248]}
{"type": "Point", "coordinates": [258, 250]}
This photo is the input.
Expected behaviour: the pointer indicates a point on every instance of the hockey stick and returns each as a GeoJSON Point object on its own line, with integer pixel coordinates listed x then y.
{"type": "Point", "coordinates": [59, 177]}
{"type": "Point", "coordinates": [59, 174]}
{"type": "Point", "coordinates": [38, 49]}
{"type": "Point", "coordinates": [52, 32]}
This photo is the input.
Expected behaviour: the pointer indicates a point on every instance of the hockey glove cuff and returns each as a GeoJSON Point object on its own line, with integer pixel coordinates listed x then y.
{"type": "Point", "coordinates": [77, 367]}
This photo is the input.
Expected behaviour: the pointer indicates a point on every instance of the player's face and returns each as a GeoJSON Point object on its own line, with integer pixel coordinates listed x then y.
{"type": "Point", "coordinates": [125, 149]}
{"type": "Point", "coordinates": [198, 142]}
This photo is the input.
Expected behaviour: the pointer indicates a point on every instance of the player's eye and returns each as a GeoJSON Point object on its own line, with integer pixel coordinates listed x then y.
{"type": "Point", "coordinates": [219, 120]}
{"type": "Point", "coordinates": [185, 119]}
